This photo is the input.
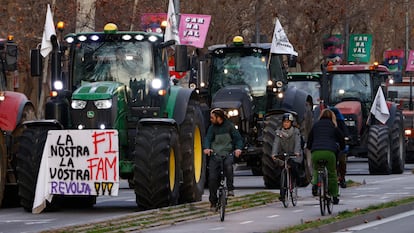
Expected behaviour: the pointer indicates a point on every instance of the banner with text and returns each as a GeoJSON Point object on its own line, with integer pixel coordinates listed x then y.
{"type": "Point", "coordinates": [78, 162]}
{"type": "Point", "coordinates": [151, 22]}
{"type": "Point", "coordinates": [333, 46]}
{"type": "Point", "coordinates": [193, 29]}
{"type": "Point", "coordinates": [360, 48]}
{"type": "Point", "coordinates": [410, 61]}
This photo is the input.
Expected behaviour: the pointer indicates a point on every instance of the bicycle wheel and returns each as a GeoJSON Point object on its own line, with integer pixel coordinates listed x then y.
{"type": "Point", "coordinates": [322, 194]}
{"type": "Point", "coordinates": [284, 191]}
{"type": "Point", "coordinates": [328, 197]}
{"type": "Point", "coordinates": [293, 191]}
{"type": "Point", "coordinates": [222, 201]}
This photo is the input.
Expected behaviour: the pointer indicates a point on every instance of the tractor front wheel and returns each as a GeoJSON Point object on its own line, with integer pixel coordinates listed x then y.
{"type": "Point", "coordinates": [271, 172]}
{"type": "Point", "coordinates": [379, 150]}
{"type": "Point", "coordinates": [3, 167]}
{"type": "Point", "coordinates": [157, 166]}
{"type": "Point", "coordinates": [193, 160]}
{"type": "Point", "coordinates": [29, 156]}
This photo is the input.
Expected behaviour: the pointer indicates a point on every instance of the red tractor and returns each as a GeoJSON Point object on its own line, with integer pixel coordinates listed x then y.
{"type": "Point", "coordinates": [14, 109]}
{"type": "Point", "coordinates": [352, 89]}
{"type": "Point", "coordinates": [401, 93]}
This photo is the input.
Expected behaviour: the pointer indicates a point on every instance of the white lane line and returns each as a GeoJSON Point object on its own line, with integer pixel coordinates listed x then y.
{"type": "Point", "coordinates": [273, 216]}
{"type": "Point", "coordinates": [405, 193]}
{"type": "Point", "coordinates": [382, 221]}
{"type": "Point", "coordinates": [216, 229]}
{"type": "Point", "coordinates": [297, 211]}
{"type": "Point", "coordinates": [245, 222]}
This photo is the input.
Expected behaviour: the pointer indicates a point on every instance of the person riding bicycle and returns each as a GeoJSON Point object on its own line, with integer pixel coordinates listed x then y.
{"type": "Point", "coordinates": [341, 155]}
{"type": "Point", "coordinates": [288, 140]}
{"type": "Point", "coordinates": [222, 139]}
{"type": "Point", "coordinates": [323, 141]}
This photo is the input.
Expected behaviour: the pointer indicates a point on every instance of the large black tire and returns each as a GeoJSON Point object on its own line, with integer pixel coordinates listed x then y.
{"type": "Point", "coordinates": [398, 146]}
{"type": "Point", "coordinates": [157, 166]}
{"type": "Point", "coordinates": [271, 173]}
{"type": "Point", "coordinates": [29, 156]}
{"type": "Point", "coordinates": [10, 191]}
{"type": "Point", "coordinates": [379, 150]}
{"type": "Point", "coordinates": [193, 161]}
{"type": "Point", "coordinates": [3, 166]}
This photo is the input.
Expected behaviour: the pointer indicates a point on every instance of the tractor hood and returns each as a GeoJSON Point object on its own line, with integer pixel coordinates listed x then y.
{"type": "Point", "coordinates": [96, 91]}
{"type": "Point", "coordinates": [234, 97]}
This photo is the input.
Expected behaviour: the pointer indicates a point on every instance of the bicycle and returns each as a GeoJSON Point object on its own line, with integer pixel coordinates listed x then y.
{"type": "Point", "coordinates": [222, 191]}
{"type": "Point", "coordinates": [325, 200]}
{"type": "Point", "coordinates": [288, 188]}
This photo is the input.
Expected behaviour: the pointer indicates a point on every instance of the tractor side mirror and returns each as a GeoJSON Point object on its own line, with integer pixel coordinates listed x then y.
{"type": "Point", "coordinates": [292, 61]}
{"type": "Point", "coordinates": [181, 58]}
{"type": "Point", "coordinates": [35, 62]}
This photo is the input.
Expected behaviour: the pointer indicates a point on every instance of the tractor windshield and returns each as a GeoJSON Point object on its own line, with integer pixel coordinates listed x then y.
{"type": "Point", "coordinates": [113, 61]}
{"type": "Point", "coordinates": [240, 68]}
{"type": "Point", "coordinates": [311, 87]}
{"type": "Point", "coordinates": [350, 86]}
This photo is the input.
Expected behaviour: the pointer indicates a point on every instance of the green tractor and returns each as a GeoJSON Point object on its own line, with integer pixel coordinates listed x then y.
{"type": "Point", "coordinates": [120, 80]}
{"type": "Point", "coordinates": [250, 83]}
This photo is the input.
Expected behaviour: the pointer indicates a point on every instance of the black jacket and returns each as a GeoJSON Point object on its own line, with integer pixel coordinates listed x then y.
{"type": "Point", "coordinates": [325, 136]}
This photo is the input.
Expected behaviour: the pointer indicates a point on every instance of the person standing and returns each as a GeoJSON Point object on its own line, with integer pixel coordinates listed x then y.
{"type": "Point", "coordinates": [222, 139]}
{"type": "Point", "coordinates": [288, 140]}
{"type": "Point", "coordinates": [323, 141]}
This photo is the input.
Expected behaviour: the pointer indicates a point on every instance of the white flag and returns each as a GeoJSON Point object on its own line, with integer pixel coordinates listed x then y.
{"type": "Point", "coordinates": [171, 31]}
{"type": "Point", "coordinates": [280, 41]}
{"type": "Point", "coordinates": [48, 31]}
{"type": "Point", "coordinates": [379, 107]}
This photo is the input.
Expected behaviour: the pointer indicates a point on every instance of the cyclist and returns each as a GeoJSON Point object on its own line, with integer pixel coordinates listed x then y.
{"type": "Point", "coordinates": [288, 140]}
{"type": "Point", "coordinates": [222, 138]}
{"type": "Point", "coordinates": [341, 155]}
{"type": "Point", "coordinates": [323, 141]}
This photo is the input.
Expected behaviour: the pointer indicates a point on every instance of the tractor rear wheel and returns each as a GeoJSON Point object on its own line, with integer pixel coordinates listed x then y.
{"type": "Point", "coordinates": [379, 150]}
{"type": "Point", "coordinates": [398, 149]}
{"type": "Point", "coordinates": [29, 156]}
{"type": "Point", "coordinates": [271, 172]}
{"type": "Point", "coordinates": [157, 166]}
{"type": "Point", "coordinates": [3, 167]}
{"type": "Point", "coordinates": [193, 161]}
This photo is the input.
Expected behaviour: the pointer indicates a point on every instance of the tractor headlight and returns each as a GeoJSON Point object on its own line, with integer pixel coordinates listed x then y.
{"type": "Point", "coordinates": [156, 83]}
{"type": "Point", "coordinates": [103, 104]}
{"type": "Point", "coordinates": [233, 113]}
{"type": "Point", "coordinates": [58, 85]}
{"type": "Point", "coordinates": [350, 123]}
{"type": "Point", "coordinates": [279, 84]}
{"type": "Point", "coordinates": [78, 104]}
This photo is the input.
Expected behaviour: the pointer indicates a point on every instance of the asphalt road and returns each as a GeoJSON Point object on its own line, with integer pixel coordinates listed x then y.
{"type": "Point", "coordinates": [376, 189]}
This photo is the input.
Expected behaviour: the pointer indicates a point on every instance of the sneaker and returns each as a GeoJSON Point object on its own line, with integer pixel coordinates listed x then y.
{"type": "Point", "coordinates": [231, 193]}
{"type": "Point", "coordinates": [213, 207]}
{"type": "Point", "coordinates": [314, 190]}
{"type": "Point", "coordinates": [335, 200]}
{"type": "Point", "coordinates": [342, 183]}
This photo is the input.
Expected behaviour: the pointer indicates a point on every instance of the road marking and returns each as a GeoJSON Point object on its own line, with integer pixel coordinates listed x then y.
{"type": "Point", "coordinates": [406, 193]}
{"type": "Point", "coordinates": [245, 222]}
{"type": "Point", "coordinates": [387, 180]}
{"type": "Point", "coordinates": [273, 216]}
{"type": "Point", "coordinates": [216, 229]}
{"type": "Point", "coordinates": [297, 211]}
{"type": "Point", "coordinates": [382, 221]}
{"type": "Point", "coordinates": [28, 222]}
